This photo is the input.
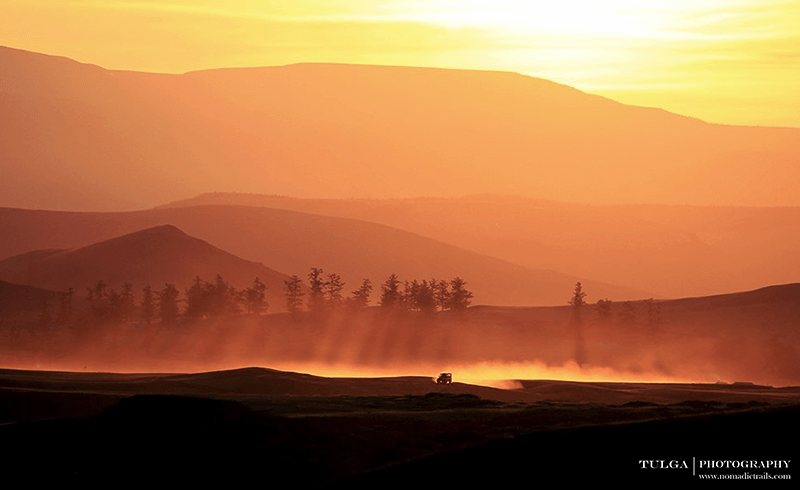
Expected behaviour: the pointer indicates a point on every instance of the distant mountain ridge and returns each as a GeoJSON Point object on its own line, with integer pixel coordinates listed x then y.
{"type": "Point", "coordinates": [673, 251]}
{"type": "Point", "coordinates": [294, 242]}
{"type": "Point", "coordinates": [81, 137]}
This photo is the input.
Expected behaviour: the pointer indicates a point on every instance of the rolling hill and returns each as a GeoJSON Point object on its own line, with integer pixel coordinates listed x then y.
{"type": "Point", "coordinates": [293, 242]}
{"type": "Point", "coordinates": [155, 256]}
{"type": "Point", "coordinates": [80, 137]}
{"type": "Point", "coordinates": [673, 251]}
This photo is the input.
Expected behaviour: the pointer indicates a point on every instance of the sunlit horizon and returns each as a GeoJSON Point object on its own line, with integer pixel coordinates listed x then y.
{"type": "Point", "coordinates": [723, 61]}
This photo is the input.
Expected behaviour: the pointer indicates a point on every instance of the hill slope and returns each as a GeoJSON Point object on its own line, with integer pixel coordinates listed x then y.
{"type": "Point", "coordinates": [155, 256]}
{"type": "Point", "coordinates": [76, 136]}
{"type": "Point", "coordinates": [295, 242]}
{"type": "Point", "coordinates": [673, 251]}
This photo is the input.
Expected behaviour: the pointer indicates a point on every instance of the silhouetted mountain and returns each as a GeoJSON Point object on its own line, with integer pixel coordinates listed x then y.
{"type": "Point", "coordinates": [77, 136]}
{"type": "Point", "coordinates": [155, 256]}
{"type": "Point", "coordinates": [673, 251]}
{"type": "Point", "coordinates": [295, 242]}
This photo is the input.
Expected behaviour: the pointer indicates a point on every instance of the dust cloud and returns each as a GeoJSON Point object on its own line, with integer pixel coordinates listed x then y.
{"type": "Point", "coordinates": [492, 347]}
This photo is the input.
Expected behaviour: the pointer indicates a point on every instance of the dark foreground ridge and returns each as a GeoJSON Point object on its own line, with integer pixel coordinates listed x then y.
{"type": "Point", "coordinates": [670, 450]}
{"type": "Point", "coordinates": [130, 427]}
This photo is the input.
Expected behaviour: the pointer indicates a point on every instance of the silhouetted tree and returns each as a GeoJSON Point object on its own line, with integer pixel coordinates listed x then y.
{"type": "Point", "coordinates": [224, 299]}
{"type": "Point", "coordinates": [419, 297]}
{"type": "Point", "coordinates": [211, 299]}
{"type": "Point", "coordinates": [255, 297]}
{"type": "Point", "coordinates": [197, 299]}
{"type": "Point", "coordinates": [441, 293]}
{"type": "Point", "coordinates": [427, 299]}
{"type": "Point", "coordinates": [460, 297]}
{"type": "Point", "coordinates": [577, 301]}
{"type": "Point", "coordinates": [168, 304]}
{"type": "Point", "coordinates": [148, 307]}
{"type": "Point", "coordinates": [333, 289]}
{"type": "Point", "coordinates": [316, 291]}
{"type": "Point", "coordinates": [360, 297]}
{"type": "Point", "coordinates": [407, 297]}
{"type": "Point", "coordinates": [390, 292]}
{"type": "Point", "coordinates": [294, 294]}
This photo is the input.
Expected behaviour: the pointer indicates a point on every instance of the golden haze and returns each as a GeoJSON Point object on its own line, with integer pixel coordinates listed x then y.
{"type": "Point", "coordinates": [726, 61]}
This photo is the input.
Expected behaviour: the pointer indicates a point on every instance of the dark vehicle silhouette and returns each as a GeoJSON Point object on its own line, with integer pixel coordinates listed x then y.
{"type": "Point", "coordinates": [444, 379]}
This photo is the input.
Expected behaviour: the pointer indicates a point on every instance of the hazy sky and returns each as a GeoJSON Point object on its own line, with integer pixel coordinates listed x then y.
{"type": "Point", "coordinates": [728, 61]}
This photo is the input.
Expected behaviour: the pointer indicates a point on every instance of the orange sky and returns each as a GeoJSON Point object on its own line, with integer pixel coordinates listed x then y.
{"type": "Point", "coordinates": [728, 61]}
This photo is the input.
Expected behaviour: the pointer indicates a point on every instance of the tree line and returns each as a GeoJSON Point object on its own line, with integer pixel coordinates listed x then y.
{"type": "Point", "coordinates": [325, 293]}
{"type": "Point", "coordinates": [626, 314]}
{"type": "Point", "coordinates": [210, 299]}
{"type": "Point", "coordinates": [202, 300]}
